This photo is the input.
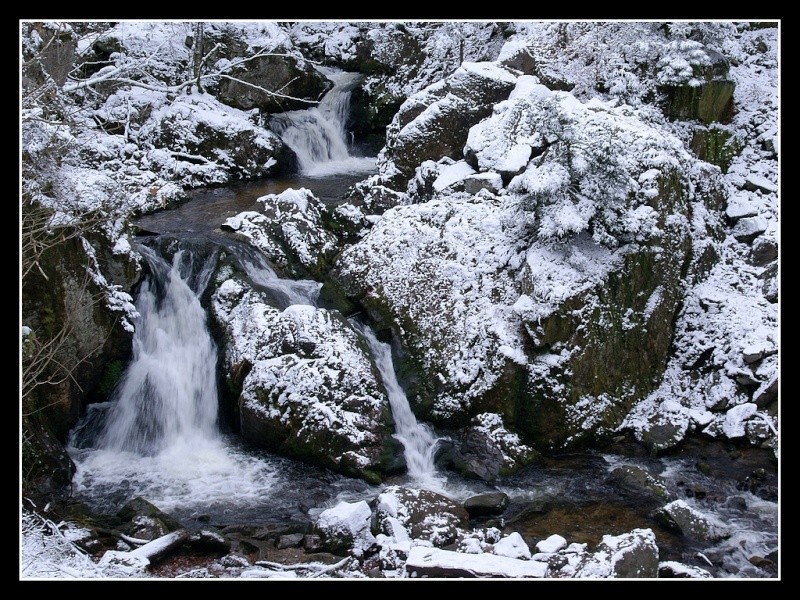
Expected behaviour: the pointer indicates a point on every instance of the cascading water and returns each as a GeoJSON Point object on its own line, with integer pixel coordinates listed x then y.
{"type": "Point", "coordinates": [417, 438]}
{"type": "Point", "coordinates": [318, 136]}
{"type": "Point", "coordinates": [285, 291]}
{"type": "Point", "coordinates": [164, 403]}
{"type": "Point", "coordinates": [158, 436]}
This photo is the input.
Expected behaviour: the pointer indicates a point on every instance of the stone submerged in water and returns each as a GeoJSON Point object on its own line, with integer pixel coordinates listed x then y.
{"type": "Point", "coordinates": [482, 505]}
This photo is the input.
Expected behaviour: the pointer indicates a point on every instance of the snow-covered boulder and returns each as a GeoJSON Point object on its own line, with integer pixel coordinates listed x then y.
{"type": "Point", "coordinates": [696, 82]}
{"type": "Point", "coordinates": [512, 546]}
{"type": "Point", "coordinates": [435, 122]}
{"type": "Point", "coordinates": [510, 302]}
{"type": "Point", "coordinates": [272, 83]}
{"type": "Point", "coordinates": [290, 224]}
{"type": "Point", "coordinates": [346, 526]}
{"type": "Point", "coordinates": [211, 142]}
{"type": "Point", "coordinates": [630, 555]}
{"type": "Point", "coordinates": [434, 562]}
{"type": "Point", "coordinates": [423, 514]}
{"type": "Point", "coordinates": [670, 569]}
{"type": "Point", "coordinates": [686, 520]}
{"type": "Point", "coordinates": [308, 388]}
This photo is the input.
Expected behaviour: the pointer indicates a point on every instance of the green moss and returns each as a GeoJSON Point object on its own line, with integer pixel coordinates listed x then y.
{"type": "Point", "coordinates": [707, 103]}
{"type": "Point", "coordinates": [716, 146]}
{"type": "Point", "coordinates": [109, 378]}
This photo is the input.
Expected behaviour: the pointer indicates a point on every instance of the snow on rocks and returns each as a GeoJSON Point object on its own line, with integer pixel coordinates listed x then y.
{"type": "Point", "coordinates": [552, 544]}
{"type": "Point", "coordinates": [435, 562]}
{"type": "Point", "coordinates": [435, 122]}
{"type": "Point", "coordinates": [670, 569]}
{"type": "Point", "coordinates": [594, 230]}
{"type": "Point", "coordinates": [683, 518]}
{"type": "Point", "coordinates": [427, 516]}
{"type": "Point", "coordinates": [512, 546]}
{"type": "Point", "coordinates": [211, 142]}
{"type": "Point", "coordinates": [630, 555]}
{"type": "Point", "coordinates": [289, 225]}
{"type": "Point", "coordinates": [308, 387]}
{"type": "Point", "coordinates": [347, 525]}
{"type": "Point", "coordinates": [487, 450]}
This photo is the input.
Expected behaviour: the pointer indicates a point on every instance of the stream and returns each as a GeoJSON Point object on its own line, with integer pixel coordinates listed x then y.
{"type": "Point", "coordinates": [159, 436]}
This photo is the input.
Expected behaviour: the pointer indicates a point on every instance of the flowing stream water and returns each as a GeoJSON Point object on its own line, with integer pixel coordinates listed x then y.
{"type": "Point", "coordinates": [159, 436]}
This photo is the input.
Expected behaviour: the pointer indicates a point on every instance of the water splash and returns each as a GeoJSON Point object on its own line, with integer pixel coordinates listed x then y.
{"type": "Point", "coordinates": [318, 135]}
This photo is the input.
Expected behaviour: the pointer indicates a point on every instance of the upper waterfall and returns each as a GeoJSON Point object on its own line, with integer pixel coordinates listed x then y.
{"type": "Point", "coordinates": [318, 135]}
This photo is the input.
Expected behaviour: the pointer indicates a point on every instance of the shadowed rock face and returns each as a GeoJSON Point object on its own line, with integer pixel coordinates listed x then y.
{"type": "Point", "coordinates": [708, 102]}
{"type": "Point", "coordinates": [296, 81]}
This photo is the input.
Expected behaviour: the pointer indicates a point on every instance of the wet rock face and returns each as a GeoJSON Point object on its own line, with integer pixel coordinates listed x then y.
{"type": "Point", "coordinates": [639, 483]}
{"type": "Point", "coordinates": [487, 450]}
{"type": "Point", "coordinates": [492, 503]}
{"type": "Point", "coordinates": [308, 389]}
{"type": "Point", "coordinates": [682, 518]}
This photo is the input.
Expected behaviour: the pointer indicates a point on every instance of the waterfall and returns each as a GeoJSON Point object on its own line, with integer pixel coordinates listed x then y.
{"type": "Point", "coordinates": [417, 438]}
{"type": "Point", "coordinates": [284, 291]}
{"type": "Point", "coordinates": [168, 394]}
{"type": "Point", "coordinates": [318, 136]}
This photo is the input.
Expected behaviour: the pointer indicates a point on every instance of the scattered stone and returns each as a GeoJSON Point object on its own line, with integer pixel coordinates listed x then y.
{"type": "Point", "coordinates": [512, 546]}
{"type": "Point", "coordinates": [434, 562]}
{"type": "Point", "coordinates": [747, 229]}
{"type": "Point", "coordinates": [552, 544]}
{"type": "Point", "coordinates": [292, 540]}
{"type": "Point", "coordinates": [755, 183]}
{"type": "Point", "coordinates": [675, 570]}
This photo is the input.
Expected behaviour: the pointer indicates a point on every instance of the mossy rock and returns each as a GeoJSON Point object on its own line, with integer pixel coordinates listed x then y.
{"type": "Point", "coordinates": [709, 102]}
{"type": "Point", "coordinates": [716, 146]}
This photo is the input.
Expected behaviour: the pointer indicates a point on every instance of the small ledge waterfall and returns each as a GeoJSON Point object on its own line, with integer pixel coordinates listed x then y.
{"type": "Point", "coordinates": [168, 395]}
{"type": "Point", "coordinates": [417, 438]}
{"type": "Point", "coordinates": [318, 136]}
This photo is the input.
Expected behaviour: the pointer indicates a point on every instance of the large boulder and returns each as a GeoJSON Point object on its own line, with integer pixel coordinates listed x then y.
{"type": "Point", "coordinates": [346, 527]}
{"type": "Point", "coordinates": [487, 450]}
{"type": "Point", "coordinates": [308, 388]}
{"type": "Point", "coordinates": [273, 83]}
{"type": "Point", "coordinates": [628, 556]}
{"type": "Point", "coordinates": [550, 302]}
{"type": "Point", "coordinates": [683, 519]}
{"type": "Point", "coordinates": [291, 224]}
{"type": "Point", "coordinates": [213, 142]}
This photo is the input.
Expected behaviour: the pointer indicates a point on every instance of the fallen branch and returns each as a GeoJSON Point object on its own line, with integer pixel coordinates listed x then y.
{"type": "Point", "coordinates": [162, 546]}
